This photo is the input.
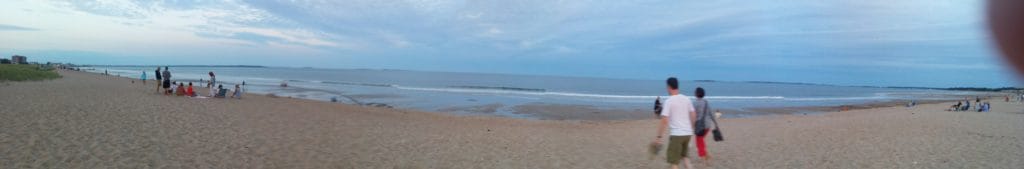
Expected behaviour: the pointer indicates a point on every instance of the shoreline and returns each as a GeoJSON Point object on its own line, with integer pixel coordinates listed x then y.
{"type": "Point", "coordinates": [546, 111]}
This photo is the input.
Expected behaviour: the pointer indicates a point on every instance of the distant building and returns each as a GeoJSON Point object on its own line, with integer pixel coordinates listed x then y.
{"type": "Point", "coordinates": [18, 59]}
{"type": "Point", "coordinates": [5, 61]}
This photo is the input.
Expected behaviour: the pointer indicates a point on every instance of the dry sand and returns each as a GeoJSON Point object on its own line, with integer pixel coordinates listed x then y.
{"type": "Point", "coordinates": [92, 121]}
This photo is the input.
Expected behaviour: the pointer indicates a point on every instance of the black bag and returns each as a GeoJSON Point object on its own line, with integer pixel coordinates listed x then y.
{"type": "Point", "coordinates": [717, 133]}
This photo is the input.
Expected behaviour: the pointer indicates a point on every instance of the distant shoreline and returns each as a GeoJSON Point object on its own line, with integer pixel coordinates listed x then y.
{"type": "Point", "coordinates": [959, 88]}
{"type": "Point", "coordinates": [242, 66]}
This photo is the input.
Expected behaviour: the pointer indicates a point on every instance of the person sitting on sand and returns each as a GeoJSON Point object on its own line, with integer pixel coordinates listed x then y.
{"type": "Point", "coordinates": [678, 115]}
{"type": "Point", "coordinates": [189, 92]}
{"type": "Point", "coordinates": [180, 90]}
{"type": "Point", "coordinates": [237, 93]}
{"type": "Point", "coordinates": [174, 85]}
{"type": "Point", "coordinates": [967, 105]}
{"type": "Point", "coordinates": [220, 91]}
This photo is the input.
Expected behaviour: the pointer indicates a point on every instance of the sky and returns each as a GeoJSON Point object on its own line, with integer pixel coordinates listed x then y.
{"type": "Point", "coordinates": [929, 43]}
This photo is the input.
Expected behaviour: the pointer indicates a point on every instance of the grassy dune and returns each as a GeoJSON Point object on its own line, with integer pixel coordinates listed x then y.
{"type": "Point", "coordinates": [26, 72]}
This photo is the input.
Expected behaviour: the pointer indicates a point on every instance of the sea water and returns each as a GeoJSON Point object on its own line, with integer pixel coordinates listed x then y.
{"type": "Point", "coordinates": [441, 91]}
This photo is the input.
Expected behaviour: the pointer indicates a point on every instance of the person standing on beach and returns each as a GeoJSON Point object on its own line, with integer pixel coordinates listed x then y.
{"type": "Point", "coordinates": [167, 80]}
{"type": "Point", "coordinates": [143, 78]}
{"type": "Point", "coordinates": [703, 113]}
{"type": "Point", "coordinates": [679, 115]}
{"type": "Point", "coordinates": [158, 79]}
{"type": "Point", "coordinates": [213, 79]}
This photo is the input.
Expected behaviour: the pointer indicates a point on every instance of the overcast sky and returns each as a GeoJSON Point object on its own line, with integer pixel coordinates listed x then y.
{"type": "Point", "coordinates": [935, 43]}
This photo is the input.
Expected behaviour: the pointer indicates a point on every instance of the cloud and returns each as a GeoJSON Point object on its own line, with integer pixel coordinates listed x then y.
{"type": "Point", "coordinates": [522, 34]}
{"type": "Point", "coordinates": [5, 27]}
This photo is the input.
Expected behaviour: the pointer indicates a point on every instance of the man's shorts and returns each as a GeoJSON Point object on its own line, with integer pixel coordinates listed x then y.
{"type": "Point", "coordinates": [677, 148]}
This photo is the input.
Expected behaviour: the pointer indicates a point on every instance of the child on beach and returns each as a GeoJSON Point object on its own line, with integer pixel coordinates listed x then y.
{"type": "Point", "coordinates": [143, 78]}
{"type": "Point", "coordinates": [678, 115]}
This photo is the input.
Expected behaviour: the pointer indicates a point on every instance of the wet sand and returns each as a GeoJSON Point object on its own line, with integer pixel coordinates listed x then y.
{"type": "Point", "coordinates": [86, 120]}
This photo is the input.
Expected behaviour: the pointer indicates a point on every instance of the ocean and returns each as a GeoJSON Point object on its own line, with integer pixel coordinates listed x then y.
{"type": "Point", "coordinates": [521, 96]}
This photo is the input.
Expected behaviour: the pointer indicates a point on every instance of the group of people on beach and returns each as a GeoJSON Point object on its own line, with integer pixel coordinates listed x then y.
{"type": "Point", "coordinates": [965, 105]}
{"type": "Point", "coordinates": [169, 87]}
{"type": "Point", "coordinates": [684, 119]}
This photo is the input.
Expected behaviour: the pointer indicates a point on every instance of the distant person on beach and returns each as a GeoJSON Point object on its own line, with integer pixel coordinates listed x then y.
{"type": "Point", "coordinates": [213, 91]}
{"type": "Point", "coordinates": [237, 93]}
{"type": "Point", "coordinates": [189, 91]}
{"type": "Point", "coordinates": [967, 105]}
{"type": "Point", "coordinates": [143, 78]}
{"type": "Point", "coordinates": [657, 107]}
{"type": "Point", "coordinates": [174, 87]}
{"type": "Point", "coordinates": [678, 115]}
{"type": "Point", "coordinates": [703, 113]}
{"type": "Point", "coordinates": [213, 79]}
{"type": "Point", "coordinates": [158, 79]}
{"type": "Point", "coordinates": [180, 90]}
{"type": "Point", "coordinates": [220, 91]}
{"type": "Point", "coordinates": [167, 80]}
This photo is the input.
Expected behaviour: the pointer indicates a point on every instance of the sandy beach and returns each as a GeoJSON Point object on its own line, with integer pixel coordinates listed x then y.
{"type": "Point", "coordinates": [86, 120]}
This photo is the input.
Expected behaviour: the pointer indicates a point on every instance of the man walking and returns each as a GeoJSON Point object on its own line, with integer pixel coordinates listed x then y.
{"type": "Point", "coordinates": [679, 115]}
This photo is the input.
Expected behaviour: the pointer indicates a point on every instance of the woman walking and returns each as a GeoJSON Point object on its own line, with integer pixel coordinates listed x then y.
{"type": "Point", "coordinates": [703, 114]}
